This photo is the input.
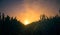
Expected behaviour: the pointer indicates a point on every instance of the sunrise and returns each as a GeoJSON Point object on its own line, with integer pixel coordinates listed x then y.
{"type": "Point", "coordinates": [30, 17]}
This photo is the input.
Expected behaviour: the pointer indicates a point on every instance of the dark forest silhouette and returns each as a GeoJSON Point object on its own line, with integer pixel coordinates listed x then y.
{"type": "Point", "coordinates": [10, 26]}
{"type": "Point", "coordinates": [45, 26]}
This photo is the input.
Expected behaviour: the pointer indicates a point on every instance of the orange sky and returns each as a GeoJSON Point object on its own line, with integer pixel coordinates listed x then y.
{"type": "Point", "coordinates": [31, 10]}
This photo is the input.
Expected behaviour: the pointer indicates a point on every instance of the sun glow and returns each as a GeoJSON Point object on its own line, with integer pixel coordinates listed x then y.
{"type": "Point", "coordinates": [26, 22]}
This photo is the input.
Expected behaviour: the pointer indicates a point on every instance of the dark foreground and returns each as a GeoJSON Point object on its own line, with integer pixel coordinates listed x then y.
{"type": "Point", "coordinates": [45, 26]}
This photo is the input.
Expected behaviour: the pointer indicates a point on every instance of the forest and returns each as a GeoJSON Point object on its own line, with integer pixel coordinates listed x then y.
{"type": "Point", "coordinates": [45, 26]}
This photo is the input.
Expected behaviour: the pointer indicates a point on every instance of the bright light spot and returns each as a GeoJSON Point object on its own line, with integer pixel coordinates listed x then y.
{"type": "Point", "coordinates": [26, 22]}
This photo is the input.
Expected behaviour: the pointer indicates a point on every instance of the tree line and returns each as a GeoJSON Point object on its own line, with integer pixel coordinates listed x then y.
{"type": "Point", "coordinates": [45, 26]}
{"type": "Point", "coordinates": [10, 25]}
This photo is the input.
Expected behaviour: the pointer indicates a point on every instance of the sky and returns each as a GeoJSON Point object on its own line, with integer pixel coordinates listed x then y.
{"type": "Point", "coordinates": [29, 10]}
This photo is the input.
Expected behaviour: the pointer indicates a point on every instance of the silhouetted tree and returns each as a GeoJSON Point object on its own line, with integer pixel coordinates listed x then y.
{"type": "Point", "coordinates": [59, 10]}
{"type": "Point", "coordinates": [10, 26]}
{"type": "Point", "coordinates": [45, 26]}
{"type": "Point", "coordinates": [0, 16]}
{"type": "Point", "coordinates": [0, 19]}
{"type": "Point", "coordinates": [3, 17]}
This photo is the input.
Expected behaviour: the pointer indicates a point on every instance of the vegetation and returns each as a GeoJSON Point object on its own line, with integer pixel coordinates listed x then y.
{"type": "Point", "coordinates": [10, 26]}
{"type": "Point", "coordinates": [45, 26]}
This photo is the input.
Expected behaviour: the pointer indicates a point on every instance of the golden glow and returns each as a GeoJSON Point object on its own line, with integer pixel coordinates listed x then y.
{"type": "Point", "coordinates": [26, 22]}
{"type": "Point", "coordinates": [30, 11]}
